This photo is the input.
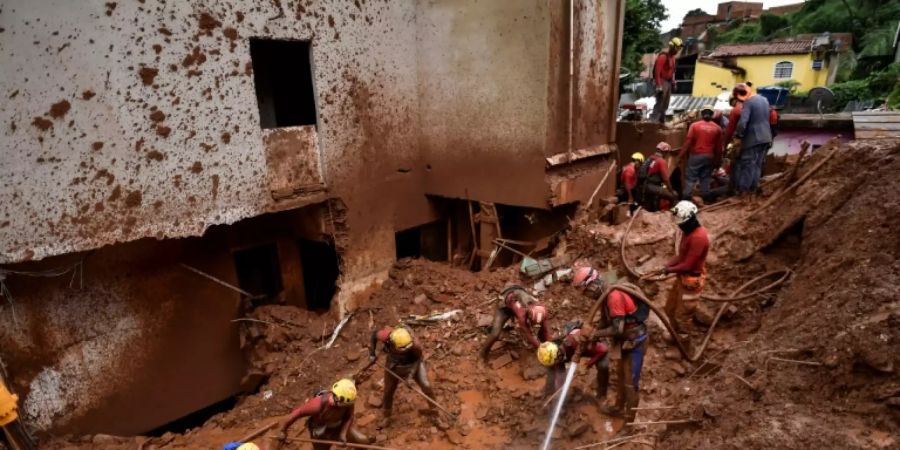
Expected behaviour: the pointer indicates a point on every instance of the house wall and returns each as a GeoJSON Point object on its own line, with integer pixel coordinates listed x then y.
{"type": "Point", "coordinates": [710, 80]}
{"type": "Point", "coordinates": [761, 70]}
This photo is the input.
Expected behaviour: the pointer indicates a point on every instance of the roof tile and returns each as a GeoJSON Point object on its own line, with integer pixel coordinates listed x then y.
{"type": "Point", "coordinates": [763, 48]}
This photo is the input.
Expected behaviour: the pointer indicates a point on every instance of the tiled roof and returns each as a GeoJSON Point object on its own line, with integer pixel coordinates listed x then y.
{"type": "Point", "coordinates": [763, 48]}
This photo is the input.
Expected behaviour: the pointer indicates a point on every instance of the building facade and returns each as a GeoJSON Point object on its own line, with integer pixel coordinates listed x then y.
{"type": "Point", "coordinates": [155, 152]}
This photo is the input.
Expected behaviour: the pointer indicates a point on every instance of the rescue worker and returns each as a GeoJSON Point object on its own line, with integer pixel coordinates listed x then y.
{"type": "Point", "coordinates": [664, 79]}
{"type": "Point", "coordinates": [755, 132]}
{"type": "Point", "coordinates": [622, 320]}
{"type": "Point", "coordinates": [241, 446]}
{"type": "Point", "coordinates": [404, 358]}
{"type": "Point", "coordinates": [528, 313]}
{"type": "Point", "coordinates": [690, 267]}
{"type": "Point", "coordinates": [555, 354]}
{"type": "Point", "coordinates": [629, 179]}
{"type": "Point", "coordinates": [330, 417]}
{"type": "Point", "coordinates": [653, 179]}
{"type": "Point", "coordinates": [704, 148]}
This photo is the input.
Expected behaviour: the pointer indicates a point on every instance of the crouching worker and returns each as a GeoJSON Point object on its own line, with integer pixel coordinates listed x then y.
{"type": "Point", "coordinates": [622, 320]}
{"type": "Point", "coordinates": [404, 358]}
{"type": "Point", "coordinates": [241, 446]}
{"type": "Point", "coordinates": [528, 313]}
{"type": "Point", "coordinates": [554, 355]}
{"type": "Point", "coordinates": [330, 418]}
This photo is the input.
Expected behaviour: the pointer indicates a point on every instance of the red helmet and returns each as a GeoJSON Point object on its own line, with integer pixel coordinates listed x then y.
{"type": "Point", "coordinates": [740, 89]}
{"type": "Point", "coordinates": [536, 313]}
{"type": "Point", "coordinates": [664, 147]}
{"type": "Point", "coordinates": [583, 276]}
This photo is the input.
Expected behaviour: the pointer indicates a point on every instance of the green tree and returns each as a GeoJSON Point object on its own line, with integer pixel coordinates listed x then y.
{"type": "Point", "coordinates": [695, 12]}
{"type": "Point", "coordinates": [769, 24]}
{"type": "Point", "coordinates": [640, 32]}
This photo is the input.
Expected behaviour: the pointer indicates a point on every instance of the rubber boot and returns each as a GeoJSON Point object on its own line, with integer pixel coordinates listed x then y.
{"type": "Point", "coordinates": [602, 382]}
{"type": "Point", "coordinates": [632, 399]}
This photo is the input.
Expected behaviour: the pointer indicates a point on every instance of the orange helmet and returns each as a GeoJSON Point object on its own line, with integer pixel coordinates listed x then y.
{"type": "Point", "coordinates": [536, 313]}
{"type": "Point", "coordinates": [583, 276]}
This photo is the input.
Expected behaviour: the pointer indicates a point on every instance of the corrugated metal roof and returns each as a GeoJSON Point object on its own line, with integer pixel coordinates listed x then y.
{"type": "Point", "coordinates": [683, 103]}
{"type": "Point", "coordinates": [763, 48]}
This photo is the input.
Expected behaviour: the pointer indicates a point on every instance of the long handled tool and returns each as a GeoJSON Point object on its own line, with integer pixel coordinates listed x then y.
{"type": "Point", "coordinates": [347, 444]}
{"type": "Point", "coordinates": [409, 385]}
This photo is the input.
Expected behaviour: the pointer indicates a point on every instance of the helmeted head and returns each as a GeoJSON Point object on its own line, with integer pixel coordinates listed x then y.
{"type": "Point", "coordinates": [248, 446]}
{"type": "Point", "coordinates": [401, 339]}
{"type": "Point", "coordinates": [663, 148]}
{"type": "Point", "coordinates": [675, 45]}
{"type": "Point", "coordinates": [548, 353]}
{"type": "Point", "coordinates": [344, 391]}
{"type": "Point", "coordinates": [741, 91]}
{"type": "Point", "coordinates": [684, 211]}
{"type": "Point", "coordinates": [583, 276]}
{"type": "Point", "coordinates": [637, 157]}
{"type": "Point", "coordinates": [536, 313]}
{"type": "Point", "coordinates": [707, 112]}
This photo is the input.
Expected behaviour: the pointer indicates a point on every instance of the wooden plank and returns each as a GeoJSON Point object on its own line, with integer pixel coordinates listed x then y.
{"type": "Point", "coordinates": [872, 134]}
{"type": "Point", "coordinates": [888, 118]}
{"type": "Point", "coordinates": [873, 113]}
{"type": "Point", "coordinates": [877, 126]}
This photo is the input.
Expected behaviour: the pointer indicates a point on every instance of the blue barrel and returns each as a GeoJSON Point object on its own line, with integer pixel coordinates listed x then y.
{"type": "Point", "coordinates": [776, 95]}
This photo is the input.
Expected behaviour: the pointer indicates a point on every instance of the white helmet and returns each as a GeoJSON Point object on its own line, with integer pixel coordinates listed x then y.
{"type": "Point", "coordinates": [684, 211]}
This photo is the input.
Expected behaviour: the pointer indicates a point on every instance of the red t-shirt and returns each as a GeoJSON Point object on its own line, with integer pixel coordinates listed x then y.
{"type": "Point", "coordinates": [659, 166]}
{"type": "Point", "coordinates": [733, 117]}
{"type": "Point", "coordinates": [620, 304]}
{"type": "Point", "coordinates": [691, 257]}
{"type": "Point", "coordinates": [664, 69]}
{"type": "Point", "coordinates": [629, 176]}
{"type": "Point", "coordinates": [703, 138]}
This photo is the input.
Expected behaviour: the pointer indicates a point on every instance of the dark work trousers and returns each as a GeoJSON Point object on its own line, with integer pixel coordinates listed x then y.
{"type": "Point", "coordinates": [662, 103]}
{"type": "Point", "coordinates": [556, 376]}
{"type": "Point", "coordinates": [748, 169]}
{"type": "Point", "coordinates": [699, 169]}
{"type": "Point", "coordinates": [628, 373]}
{"type": "Point", "coordinates": [405, 370]}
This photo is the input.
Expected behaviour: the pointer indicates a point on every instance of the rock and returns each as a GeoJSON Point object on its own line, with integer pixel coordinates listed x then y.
{"type": "Point", "coordinates": [457, 349]}
{"type": "Point", "coordinates": [380, 437]}
{"type": "Point", "coordinates": [533, 373]}
{"type": "Point", "coordinates": [578, 428]}
{"type": "Point", "coordinates": [677, 368]}
{"type": "Point", "coordinates": [104, 439]}
{"type": "Point", "coordinates": [501, 361]}
{"type": "Point", "coordinates": [893, 402]}
{"type": "Point", "coordinates": [374, 401]}
{"type": "Point", "coordinates": [481, 412]}
{"type": "Point", "coordinates": [672, 354]}
{"type": "Point", "coordinates": [485, 320]}
{"type": "Point", "coordinates": [352, 356]}
{"type": "Point", "coordinates": [454, 437]}
{"type": "Point", "coordinates": [420, 299]}
{"type": "Point", "coordinates": [442, 424]}
{"type": "Point", "coordinates": [704, 314]}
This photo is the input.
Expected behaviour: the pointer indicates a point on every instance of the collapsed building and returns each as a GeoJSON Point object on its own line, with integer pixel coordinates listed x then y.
{"type": "Point", "coordinates": [158, 155]}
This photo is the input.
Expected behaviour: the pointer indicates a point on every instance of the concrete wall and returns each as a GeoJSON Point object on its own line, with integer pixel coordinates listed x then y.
{"type": "Point", "coordinates": [708, 76]}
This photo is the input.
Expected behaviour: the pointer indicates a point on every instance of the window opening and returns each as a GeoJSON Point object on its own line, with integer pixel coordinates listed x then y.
{"type": "Point", "coordinates": [282, 75]}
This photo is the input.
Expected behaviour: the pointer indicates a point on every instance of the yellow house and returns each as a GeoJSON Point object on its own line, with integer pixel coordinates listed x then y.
{"type": "Point", "coordinates": [763, 63]}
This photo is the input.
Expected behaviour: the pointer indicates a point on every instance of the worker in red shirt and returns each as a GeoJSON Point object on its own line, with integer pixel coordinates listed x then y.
{"type": "Point", "coordinates": [516, 303]}
{"type": "Point", "coordinates": [330, 418]}
{"type": "Point", "coordinates": [555, 354]}
{"type": "Point", "coordinates": [629, 179]}
{"type": "Point", "coordinates": [704, 147]}
{"type": "Point", "coordinates": [690, 267]}
{"type": "Point", "coordinates": [404, 358]}
{"type": "Point", "coordinates": [653, 179]}
{"type": "Point", "coordinates": [664, 79]}
{"type": "Point", "coordinates": [622, 320]}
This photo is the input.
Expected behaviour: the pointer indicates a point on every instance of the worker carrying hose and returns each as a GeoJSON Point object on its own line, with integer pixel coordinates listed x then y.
{"type": "Point", "coordinates": [690, 267]}
{"type": "Point", "coordinates": [555, 354]}
{"type": "Point", "coordinates": [330, 418]}
{"type": "Point", "coordinates": [653, 179]}
{"type": "Point", "coordinates": [404, 358]}
{"type": "Point", "coordinates": [622, 320]}
{"type": "Point", "coordinates": [528, 312]}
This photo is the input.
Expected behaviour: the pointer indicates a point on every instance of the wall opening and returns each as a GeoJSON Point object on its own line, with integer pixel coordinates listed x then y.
{"type": "Point", "coordinates": [428, 241]}
{"type": "Point", "coordinates": [194, 419]}
{"type": "Point", "coordinates": [321, 269]}
{"type": "Point", "coordinates": [282, 74]}
{"type": "Point", "coordinates": [259, 271]}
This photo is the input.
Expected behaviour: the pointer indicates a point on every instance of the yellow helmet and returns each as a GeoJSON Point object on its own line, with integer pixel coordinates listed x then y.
{"type": "Point", "coordinates": [248, 446]}
{"type": "Point", "coordinates": [400, 338]}
{"type": "Point", "coordinates": [548, 353]}
{"type": "Point", "coordinates": [676, 42]}
{"type": "Point", "coordinates": [637, 156]}
{"type": "Point", "coordinates": [344, 390]}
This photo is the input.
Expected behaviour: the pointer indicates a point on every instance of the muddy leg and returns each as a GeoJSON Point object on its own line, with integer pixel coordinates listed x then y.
{"type": "Point", "coordinates": [602, 367]}
{"type": "Point", "coordinates": [390, 387]}
{"type": "Point", "coordinates": [500, 317]}
{"type": "Point", "coordinates": [634, 362]}
{"type": "Point", "coordinates": [357, 437]}
{"type": "Point", "coordinates": [673, 304]}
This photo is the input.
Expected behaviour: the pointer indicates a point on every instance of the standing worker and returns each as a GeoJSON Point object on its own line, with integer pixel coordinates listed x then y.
{"type": "Point", "coordinates": [330, 418]}
{"type": "Point", "coordinates": [528, 313]}
{"type": "Point", "coordinates": [404, 358]}
{"type": "Point", "coordinates": [690, 267]}
{"type": "Point", "coordinates": [623, 319]}
{"type": "Point", "coordinates": [629, 179]}
{"type": "Point", "coordinates": [653, 179]}
{"type": "Point", "coordinates": [664, 79]}
{"type": "Point", "coordinates": [554, 355]}
{"type": "Point", "coordinates": [704, 147]}
{"type": "Point", "coordinates": [755, 133]}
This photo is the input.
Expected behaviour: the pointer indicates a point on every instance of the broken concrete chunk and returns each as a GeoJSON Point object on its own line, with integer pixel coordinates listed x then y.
{"type": "Point", "coordinates": [485, 320]}
{"type": "Point", "coordinates": [501, 361]}
{"type": "Point", "coordinates": [374, 401]}
{"type": "Point", "coordinates": [578, 428]}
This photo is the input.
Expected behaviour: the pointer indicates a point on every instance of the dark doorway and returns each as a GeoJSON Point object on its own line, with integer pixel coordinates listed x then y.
{"type": "Point", "coordinates": [321, 268]}
{"type": "Point", "coordinates": [258, 270]}
{"type": "Point", "coordinates": [428, 241]}
{"type": "Point", "coordinates": [194, 419]}
{"type": "Point", "coordinates": [282, 74]}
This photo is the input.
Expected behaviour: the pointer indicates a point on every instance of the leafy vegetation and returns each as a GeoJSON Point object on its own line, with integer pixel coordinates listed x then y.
{"type": "Point", "coordinates": [640, 32]}
{"type": "Point", "coordinates": [881, 85]}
